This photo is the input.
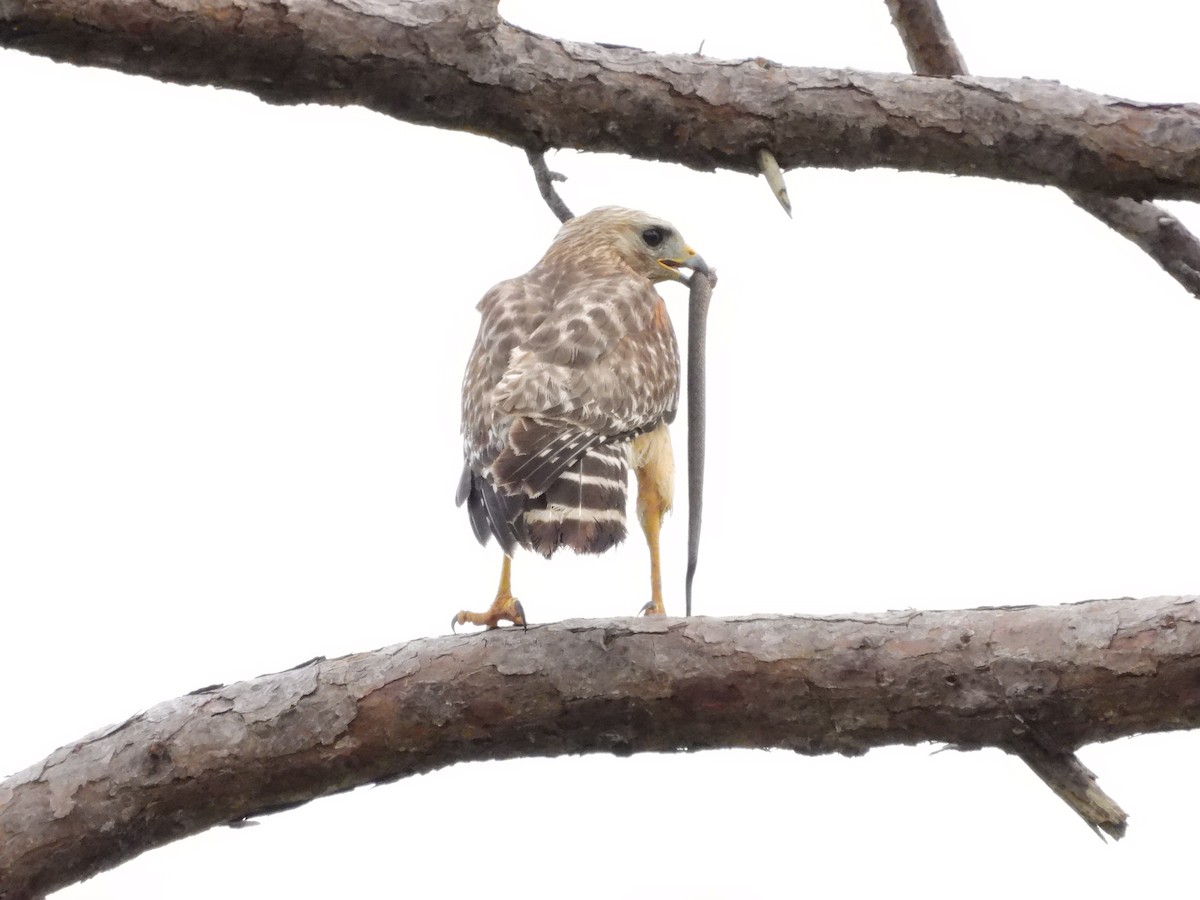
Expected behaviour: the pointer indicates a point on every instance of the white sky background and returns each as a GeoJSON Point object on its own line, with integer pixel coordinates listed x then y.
{"type": "Point", "coordinates": [231, 342]}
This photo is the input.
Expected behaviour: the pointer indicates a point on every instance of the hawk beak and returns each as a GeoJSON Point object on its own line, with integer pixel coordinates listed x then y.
{"type": "Point", "coordinates": [693, 261]}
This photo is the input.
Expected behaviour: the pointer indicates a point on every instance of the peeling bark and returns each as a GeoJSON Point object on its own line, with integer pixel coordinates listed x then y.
{"type": "Point", "coordinates": [1054, 677]}
{"type": "Point", "coordinates": [457, 64]}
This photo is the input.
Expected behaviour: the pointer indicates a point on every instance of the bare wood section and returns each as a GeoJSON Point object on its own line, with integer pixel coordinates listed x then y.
{"type": "Point", "coordinates": [1075, 784]}
{"type": "Point", "coordinates": [457, 64]}
{"type": "Point", "coordinates": [969, 678]}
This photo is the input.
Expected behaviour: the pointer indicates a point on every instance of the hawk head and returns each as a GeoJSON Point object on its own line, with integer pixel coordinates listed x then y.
{"type": "Point", "coordinates": [651, 247]}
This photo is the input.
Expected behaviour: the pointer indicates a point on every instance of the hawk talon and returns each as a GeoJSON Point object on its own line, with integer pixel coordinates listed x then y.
{"type": "Point", "coordinates": [652, 608]}
{"type": "Point", "coordinates": [505, 608]}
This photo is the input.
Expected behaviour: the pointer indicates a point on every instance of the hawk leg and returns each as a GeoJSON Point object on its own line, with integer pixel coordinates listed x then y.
{"type": "Point", "coordinates": [654, 466]}
{"type": "Point", "coordinates": [505, 608]}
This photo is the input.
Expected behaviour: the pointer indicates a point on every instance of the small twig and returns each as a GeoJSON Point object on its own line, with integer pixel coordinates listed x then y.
{"type": "Point", "coordinates": [545, 182]}
{"type": "Point", "coordinates": [1075, 785]}
{"type": "Point", "coordinates": [769, 166]}
{"type": "Point", "coordinates": [932, 51]}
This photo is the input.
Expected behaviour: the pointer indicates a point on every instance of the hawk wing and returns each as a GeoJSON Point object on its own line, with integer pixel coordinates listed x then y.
{"type": "Point", "coordinates": [549, 383]}
{"type": "Point", "coordinates": [603, 365]}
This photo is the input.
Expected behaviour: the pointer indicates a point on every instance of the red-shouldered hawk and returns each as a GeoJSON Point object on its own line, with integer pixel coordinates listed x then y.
{"type": "Point", "coordinates": [574, 377]}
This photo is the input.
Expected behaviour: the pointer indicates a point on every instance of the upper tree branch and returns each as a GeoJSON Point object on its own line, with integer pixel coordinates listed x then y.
{"type": "Point", "coordinates": [1058, 676]}
{"type": "Point", "coordinates": [456, 64]}
{"type": "Point", "coordinates": [932, 51]}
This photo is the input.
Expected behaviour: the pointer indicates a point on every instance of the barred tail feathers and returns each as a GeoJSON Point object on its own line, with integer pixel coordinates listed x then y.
{"type": "Point", "coordinates": [584, 508]}
{"type": "Point", "coordinates": [537, 452]}
{"type": "Point", "coordinates": [550, 487]}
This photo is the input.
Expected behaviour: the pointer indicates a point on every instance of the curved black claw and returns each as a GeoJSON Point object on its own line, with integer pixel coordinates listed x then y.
{"type": "Point", "coordinates": [521, 613]}
{"type": "Point", "coordinates": [648, 608]}
{"type": "Point", "coordinates": [453, 622]}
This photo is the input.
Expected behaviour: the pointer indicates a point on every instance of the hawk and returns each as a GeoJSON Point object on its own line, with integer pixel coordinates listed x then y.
{"type": "Point", "coordinates": [574, 378]}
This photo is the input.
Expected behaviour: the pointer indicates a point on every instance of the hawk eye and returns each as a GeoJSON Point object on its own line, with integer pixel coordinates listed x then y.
{"type": "Point", "coordinates": [653, 236]}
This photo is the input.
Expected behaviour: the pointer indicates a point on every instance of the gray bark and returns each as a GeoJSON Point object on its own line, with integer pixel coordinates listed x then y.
{"type": "Point", "coordinates": [457, 64]}
{"type": "Point", "coordinates": [1037, 681]}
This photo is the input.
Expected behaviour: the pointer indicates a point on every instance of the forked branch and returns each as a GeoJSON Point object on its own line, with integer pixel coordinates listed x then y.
{"type": "Point", "coordinates": [932, 51]}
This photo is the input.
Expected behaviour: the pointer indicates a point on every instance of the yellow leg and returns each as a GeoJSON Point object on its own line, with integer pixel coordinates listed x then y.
{"type": "Point", "coordinates": [505, 608]}
{"type": "Point", "coordinates": [654, 466]}
{"type": "Point", "coordinates": [650, 513]}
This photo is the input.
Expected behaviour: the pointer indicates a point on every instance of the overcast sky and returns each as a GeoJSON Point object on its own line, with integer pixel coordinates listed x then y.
{"type": "Point", "coordinates": [231, 344]}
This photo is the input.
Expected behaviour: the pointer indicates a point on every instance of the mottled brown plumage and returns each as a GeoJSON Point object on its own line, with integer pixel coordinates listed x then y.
{"type": "Point", "coordinates": [574, 360]}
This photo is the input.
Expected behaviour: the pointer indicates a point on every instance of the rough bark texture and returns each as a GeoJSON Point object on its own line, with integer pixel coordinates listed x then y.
{"type": "Point", "coordinates": [927, 41]}
{"type": "Point", "coordinates": [931, 51]}
{"type": "Point", "coordinates": [1046, 677]}
{"type": "Point", "coordinates": [457, 64]}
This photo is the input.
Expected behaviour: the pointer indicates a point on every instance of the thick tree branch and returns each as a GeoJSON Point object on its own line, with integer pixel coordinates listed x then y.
{"type": "Point", "coordinates": [970, 678]}
{"type": "Point", "coordinates": [456, 64]}
{"type": "Point", "coordinates": [932, 51]}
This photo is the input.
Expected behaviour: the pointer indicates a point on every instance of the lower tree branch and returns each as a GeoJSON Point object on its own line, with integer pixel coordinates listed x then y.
{"type": "Point", "coordinates": [932, 51]}
{"type": "Point", "coordinates": [986, 677]}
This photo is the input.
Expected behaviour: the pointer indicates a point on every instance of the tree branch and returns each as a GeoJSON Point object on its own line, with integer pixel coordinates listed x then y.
{"type": "Point", "coordinates": [1159, 233]}
{"type": "Point", "coordinates": [457, 64]}
{"type": "Point", "coordinates": [1075, 783]}
{"type": "Point", "coordinates": [932, 51]}
{"type": "Point", "coordinates": [970, 678]}
{"type": "Point", "coordinates": [927, 41]}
